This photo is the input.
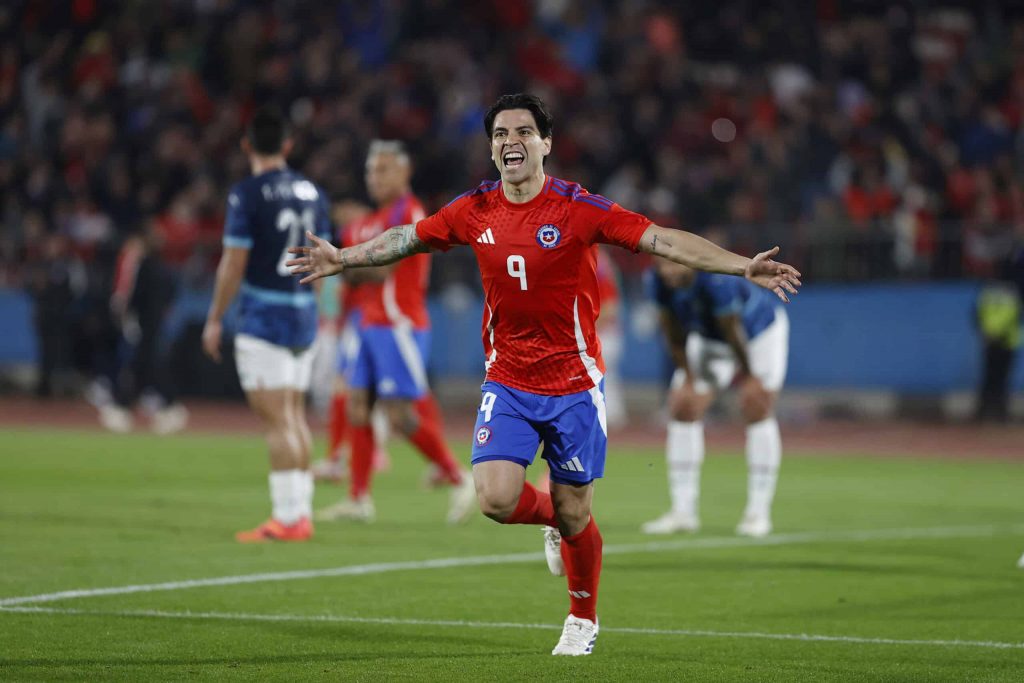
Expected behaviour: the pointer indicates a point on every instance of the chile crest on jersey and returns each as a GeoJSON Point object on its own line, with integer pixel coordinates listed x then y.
{"type": "Point", "coordinates": [549, 236]}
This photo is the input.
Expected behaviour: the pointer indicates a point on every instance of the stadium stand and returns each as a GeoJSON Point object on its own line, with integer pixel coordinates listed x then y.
{"type": "Point", "coordinates": [870, 142]}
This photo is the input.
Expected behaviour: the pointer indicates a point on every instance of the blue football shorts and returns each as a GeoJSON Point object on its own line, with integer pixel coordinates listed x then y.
{"type": "Point", "coordinates": [348, 348]}
{"type": "Point", "coordinates": [511, 424]}
{"type": "Point", "coordinates": [391, 361]}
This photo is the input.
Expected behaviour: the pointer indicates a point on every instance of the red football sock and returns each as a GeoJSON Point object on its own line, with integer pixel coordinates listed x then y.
{"type": "Point", "coordinates": [428, 411]}
{"type": "Point", "coordinates": [427, 438]}
{"type": "Point", "coordinates": [582, 557]}
{"type": "Point", "coordinates": [337, 426]}
{"type": "Point", "coordinates": [534, 507]}
{"type": "Point", "coordinates": [360, 462]}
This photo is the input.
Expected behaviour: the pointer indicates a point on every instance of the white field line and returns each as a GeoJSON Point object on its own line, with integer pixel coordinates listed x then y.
{"type": "Point", "coordinates": [480, 560]}
{"type": "Point", "coordinates": [394, 621]}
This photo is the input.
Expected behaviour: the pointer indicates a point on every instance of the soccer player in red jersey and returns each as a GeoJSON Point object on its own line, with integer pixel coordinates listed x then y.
{"type": "Point", "coordinates": [388, 363]}
{"type": "Point", "coordinates": [535, 240]}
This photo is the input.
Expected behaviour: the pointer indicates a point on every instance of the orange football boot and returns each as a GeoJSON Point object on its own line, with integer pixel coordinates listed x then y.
{"type": "Point", "coordinates": [273, 530]}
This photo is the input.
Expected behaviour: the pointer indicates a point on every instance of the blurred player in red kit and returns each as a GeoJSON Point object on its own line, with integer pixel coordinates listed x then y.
{"type": "Point", "coordinates": [535, 237]}
{"type": "Point", "coordinates": [386, 362]}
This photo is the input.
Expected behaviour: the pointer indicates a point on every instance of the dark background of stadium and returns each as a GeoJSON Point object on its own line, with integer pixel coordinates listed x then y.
{"type": "Point", "coordinates": [871, 141]}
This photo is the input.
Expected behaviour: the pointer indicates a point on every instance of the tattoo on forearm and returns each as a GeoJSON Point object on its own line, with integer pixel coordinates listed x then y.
{"type": "Point", "coordinates": [665, 245]}
{"type": "Point", "coordinates": [390, 246]}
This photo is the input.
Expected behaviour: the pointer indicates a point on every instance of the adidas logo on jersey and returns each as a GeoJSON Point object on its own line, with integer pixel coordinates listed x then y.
{"type": "Point", "coordinates": [486, 237]}
{"type": "Point", "coordinates": [573, 465]}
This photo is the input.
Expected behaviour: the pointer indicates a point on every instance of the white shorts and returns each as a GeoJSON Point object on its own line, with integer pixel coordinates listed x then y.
{"type": "Point", "coordinates": [714, 363]}
{"type": "Point", "coordinates": [262, 365]}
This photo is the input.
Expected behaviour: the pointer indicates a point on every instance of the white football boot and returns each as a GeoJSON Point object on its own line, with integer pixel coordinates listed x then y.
{"type": "Point", "coordinates": [462, 500]}
{"type": "Point", "coordinates": [1020, 562]}
{"type": "Point", "coordinates": [116, 419]}
{"type": "Point", "coordinates": [754, 525]}
{"type": "Point", "coordinates": [578, 637]}
{"type": "Point", "coordinates": [672, 522]}
{"type": "Point", "coordinates": [358, 510]}
{"type": "Point", "coordinates": [553, 550]}
{"type": "Point", "coordinates": [169, 419]}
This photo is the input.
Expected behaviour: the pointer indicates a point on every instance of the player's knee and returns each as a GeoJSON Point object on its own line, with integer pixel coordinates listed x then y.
{"type": "Point", "coordinates": [687, 408]}
{"type": "Point", "coordinates": [572, 515]}
{"type": "Point", "coordinates": [358, 411]}
{"type": "Point", "coordinates": [495, 504]}
{"type": "Point", "coordinates": [277, 418]}
{"type": "Point", "coordinates": [402, 417]}
{"type": "Point", "coordinates": [756, 407]}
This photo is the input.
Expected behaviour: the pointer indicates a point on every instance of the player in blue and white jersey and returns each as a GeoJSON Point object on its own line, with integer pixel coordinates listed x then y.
{"type": "Point", "coordinates": [267, 213]}
{"type": "Point", "coordinates": [720, 330]}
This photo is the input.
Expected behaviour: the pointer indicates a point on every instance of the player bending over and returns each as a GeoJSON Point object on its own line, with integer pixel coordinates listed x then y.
{"type": "Point", "coordinates": [719, 329]}
{"type": "Point", "coordinates": [268, 213]}
{"type": "Point", "coordinates": [535, 240]}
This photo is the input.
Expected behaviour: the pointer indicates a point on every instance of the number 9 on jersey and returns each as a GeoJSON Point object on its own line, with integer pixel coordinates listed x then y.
{"type": "Point", "coordinates": [517, 269]}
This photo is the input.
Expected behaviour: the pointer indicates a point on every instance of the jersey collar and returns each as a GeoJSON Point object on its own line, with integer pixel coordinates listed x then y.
{"type": "Point", "coordinates": [536, 201]}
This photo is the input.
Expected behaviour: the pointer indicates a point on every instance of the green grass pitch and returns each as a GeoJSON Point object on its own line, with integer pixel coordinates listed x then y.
{"type": "Point", "coordinates": [880, 570]}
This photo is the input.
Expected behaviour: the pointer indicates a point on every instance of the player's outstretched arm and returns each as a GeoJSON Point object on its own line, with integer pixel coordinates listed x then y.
{"type": "Point", "coordinates": [323, 259]}
{"type": "Point", "coordinates": [696, 252]}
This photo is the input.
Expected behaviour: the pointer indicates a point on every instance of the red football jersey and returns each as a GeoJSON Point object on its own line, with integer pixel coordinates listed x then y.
{"type": "Point", "coordinates": [538, 262]}
{"type": "Point", "coordinates": [607, 278]}
{"type": "Point", "coordinates": [402, 297]}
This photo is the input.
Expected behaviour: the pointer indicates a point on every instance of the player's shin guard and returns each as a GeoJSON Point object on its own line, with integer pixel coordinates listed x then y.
{"type": "Point", "coordinates": [764, 454]}
{"type": "Point", "coordinates": [337, 426]}
{"type": "Point", "coordinates": [685, 454]}
{"type": "Point", "coordinates": [582, 557]}
{"type": "Point", "coordinates": [534, 507]}
{"type": "Point", "coordinates": [428, 440]}
{"type": "Point", "coordinates": [360, 463]}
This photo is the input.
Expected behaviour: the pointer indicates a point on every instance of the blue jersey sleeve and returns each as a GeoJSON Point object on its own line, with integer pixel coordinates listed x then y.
{"type": "Point", "coordinates": [237, 222]}
{"type": "Point", "coordinates": [725, 293]}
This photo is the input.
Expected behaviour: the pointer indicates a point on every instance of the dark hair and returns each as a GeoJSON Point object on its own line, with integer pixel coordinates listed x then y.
{"type": "Point", "coordinates": [267, 130]}
{"type": "Point", "coordinates": [532, 103]}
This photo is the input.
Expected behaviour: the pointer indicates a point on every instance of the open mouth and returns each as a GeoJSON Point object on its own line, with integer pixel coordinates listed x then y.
{"type": "Point", "coordinates": [513, 159]}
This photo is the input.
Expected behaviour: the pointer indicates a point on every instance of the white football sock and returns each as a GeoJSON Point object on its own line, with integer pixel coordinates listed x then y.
{"type": "Point", "coordinates": [764, 454]}
{"type": "Point", "coordinates": [305, 500]}
{"type": "Point", "coordinates": [285, 495]}
{"type": "Point", "coordinates": [685, 454]}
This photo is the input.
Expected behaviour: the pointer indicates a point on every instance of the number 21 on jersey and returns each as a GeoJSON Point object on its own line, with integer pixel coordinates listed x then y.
{"type": "Point", "coordinates": [295, 223]}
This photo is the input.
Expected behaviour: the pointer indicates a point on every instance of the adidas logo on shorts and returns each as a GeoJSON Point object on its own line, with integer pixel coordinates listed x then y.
{"type": "Point", "coordinates": [573, 465]}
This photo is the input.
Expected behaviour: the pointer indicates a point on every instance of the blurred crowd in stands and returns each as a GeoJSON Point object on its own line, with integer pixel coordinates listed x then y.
{"type": "Point", "coordinates": [870, 139]}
